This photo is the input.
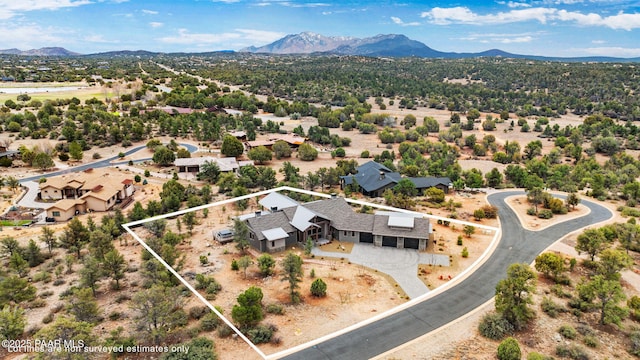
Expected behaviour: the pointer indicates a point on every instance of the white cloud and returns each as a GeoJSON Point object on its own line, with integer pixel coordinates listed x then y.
{"type": "Point", "coordinates": [233, 39]}
{"type": "Point", "coordinates": [30, 36]}
{"type": "Point", "coordinates": [155, 24]}
{"type": "Point", "coordinates": [459, 14]}
{"type": "Point", "coordinates": [99, 39]}
{"type": "Point", "coordinates": [464, 15]}
{"type": "Point", "coordinates": [398, 21]}
{"type": "Point", "coordinates": [498, 38]}
{"type": "Point", "coordinates": [149, 12]}
{"type": "Point", "coordinates": [514, 4]}
{"type": "Point", "coordinates": [185, 37]}
{"type": "Point", "coordinates": [598, 42]}
{"type": "Point", "coordinates": [11, 8]}
{"type": "Point", "coordinates": [611, 51]}
{"type": "Point", "coordinates": [261, 36]}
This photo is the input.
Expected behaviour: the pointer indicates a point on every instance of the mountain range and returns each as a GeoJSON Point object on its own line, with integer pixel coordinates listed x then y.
{"type": "Point", "coordinates": [390, 45]}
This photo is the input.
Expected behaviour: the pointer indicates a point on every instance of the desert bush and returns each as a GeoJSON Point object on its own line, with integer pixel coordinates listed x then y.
{"type": "Point", "coordinates": [210, 321]}
{"type": "Point", "coordinates": [550, 307]}
{"type": "Point", "coordinates": [490, 211]}
{"type": "Point", "coordinates": [545, 214]}
{"type": "Point", "coordinates": [509, 349]}
{"type": "Point", "coordinates": [276, 309]}
{"type": "Point", "coordinates": [494, 326]}
{"type": "Point", "coordinates": [591, 341]}
{"type": "Point", "coordinates": [224, 331]}
{"type": "Point", "coordinates": [318, 288]}
{"type": "Point", "coordinates": [197, 312]}
{"type": "Point", "coordinates": [537, 356]}
{"type": "Point", "coordinates": [574, 352]}
{"type": "Point", "coordinates": [531, 211]}
{"type": "Point", "coordinates": [568, 331]}
{"type": "Point", "coordinates": [260, 334]}
{"type": "Point", "coordinates": [634, 337]}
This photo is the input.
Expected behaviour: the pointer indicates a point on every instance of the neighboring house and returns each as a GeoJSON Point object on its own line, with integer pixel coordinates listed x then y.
{"type": "Point", "coordinates": [374, 178]}
{"type": "Point", "coordinates": [226, 164]}
{"type": "Point", "coordinates": [288, 222]}
{"type": "Point", "coordinates": [294, 141]}
{"type": "Point", "coordinates": [5, 152]}
{"type": "Point", "coordinates": [90, 190]}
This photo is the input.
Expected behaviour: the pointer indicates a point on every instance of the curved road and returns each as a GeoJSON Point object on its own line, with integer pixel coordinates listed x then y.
{"type": "Point", "coordinates": [517, 245]}
{"type": "Point", "coordinates": [98, 164]}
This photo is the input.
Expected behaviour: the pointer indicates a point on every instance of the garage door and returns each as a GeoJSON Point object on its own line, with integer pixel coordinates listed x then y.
{"type": "Point", "coordinates": [390, 241]}
{"type": "Point", "coordinates": [411, 243]}
{"type": "Point", "coordinates": [366, 238]}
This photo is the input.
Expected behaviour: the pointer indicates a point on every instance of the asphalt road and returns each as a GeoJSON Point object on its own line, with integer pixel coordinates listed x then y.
{"type": "Point", "coordinates": [98, 164]}
{"type": "Point", "coordinates": [516, 245]}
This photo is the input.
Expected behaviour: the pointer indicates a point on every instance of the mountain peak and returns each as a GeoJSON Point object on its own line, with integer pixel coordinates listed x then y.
{"type": "Point", "coordinates": [45, 51]}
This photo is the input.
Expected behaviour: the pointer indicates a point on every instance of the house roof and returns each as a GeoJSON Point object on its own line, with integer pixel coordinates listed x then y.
{"type": "Point", "coordinates": [274, 234]}
{"type": "Point", "coordinates": [420, 229]}
{"type": "Point", "coordinates": [427, 182]}
{"type": "Point", "coordinates": [270, 221]}
{"type": "Point", "coordinates": [341, 216]}
{"type": "Point", "coordinates": [373, 176]}
{"type": "Point", "coordinates": [277, 201]}
{"type": "Point", "coordinates": [67, 204]}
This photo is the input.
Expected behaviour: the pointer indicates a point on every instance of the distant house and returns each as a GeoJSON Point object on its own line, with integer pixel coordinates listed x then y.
{"type": "Point", "coordinates": [287, 222]}
{"type": "Point", "coordinates": [374, 178]}
{"type": "Point", "coordinates": [293, 140]}
{"type": "Point", "coordinates": [90, 190]}
{"type": "Point", "coordinates": [5, 152]}
{"type": "Point", "coordinates": [226, 164]}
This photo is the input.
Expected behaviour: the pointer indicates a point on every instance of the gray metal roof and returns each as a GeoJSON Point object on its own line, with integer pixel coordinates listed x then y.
{"type": "Point", "coordinates": [274, 234]}
{"type": "Point", "coordinates": [420, 228]}
{"type": "Point", "coordinates": [302, 218]}
{"type": "Point", "coordinates": [277, 201]}
{"type": "Point", "coordinates": [270, 221]}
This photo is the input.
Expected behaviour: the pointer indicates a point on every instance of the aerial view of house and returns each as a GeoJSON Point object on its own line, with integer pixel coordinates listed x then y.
{"type": "Point", "coordinates": [90, 190]}
{"type": "Point", "coordinates": [374, 178]}
{"type": "Point", "coordinates": [287, 222]}
{"type": "Point", "coordinates": [226, 164]}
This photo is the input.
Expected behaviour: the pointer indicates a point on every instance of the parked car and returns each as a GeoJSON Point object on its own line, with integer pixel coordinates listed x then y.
{"type": "Point", "coordinates": [223, 236]}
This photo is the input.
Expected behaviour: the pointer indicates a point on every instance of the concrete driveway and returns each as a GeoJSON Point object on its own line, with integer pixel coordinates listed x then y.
{"type": "Point", "coordinates": [400, 264]}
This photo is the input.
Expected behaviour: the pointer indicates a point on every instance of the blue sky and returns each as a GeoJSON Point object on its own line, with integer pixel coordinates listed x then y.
{"type": "Point", "coordinates": [540, 27]}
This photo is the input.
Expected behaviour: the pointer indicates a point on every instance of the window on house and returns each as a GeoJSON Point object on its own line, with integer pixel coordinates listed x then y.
{"type": "Point", "coordinates": [345, 233]}
{"type": "Point", "coordinates": [109, 201]}
{"type": "Point", "coordinates": [273, 244]}
{"type": "Point", "coordinates": [56, 213]}
{"type": "Point", "coordinates": [353, 233]}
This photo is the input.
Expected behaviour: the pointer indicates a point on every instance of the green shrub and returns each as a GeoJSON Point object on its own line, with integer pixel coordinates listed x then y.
{"type": "Point", "coordinates": [568, 331]}
{"type": "Point", "coordinates": [318, 288]}
{"type": "Point", "coordinates": [531, 211]}
{"type": "Point", "coordinates": [494, 327]}
{"type": "Point", "coordinates": [276, 309]}
{"type": "Point", "coordinates": [550, 307]}
{"type": "Point", "coordinates": [260, 334]}
{"type": "Point", "coordinates": [545, 214]}
{"type": "Point", "coordinates": [210, 321]}
{"type": "Point", "coordinates": [537, 356]}
{"type": "Point", "coordinates": [591, 341]}
{"type": "Point", "coordinates": [224, 331]}
{"type": "Point", "coordinates": [197, 312]}
{"type": "Point", "coordinates": [509, 349]}
{"type": "Point", "coordinates": [627, 211]}
{"type": "Point", "coordinates": [465, 252]}
{"type": "Point", "coordinates": [634, 337]}
{"type": "Point", "coordinates": [234, 265]}
{"type": "Point", "coordinates": [574, 352]}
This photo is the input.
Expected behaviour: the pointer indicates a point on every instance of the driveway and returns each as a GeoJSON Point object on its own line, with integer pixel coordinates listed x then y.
{"type": "Point", "coordinates": [400, 264]}
{"type": "Point", "coordinates": [517, 245]}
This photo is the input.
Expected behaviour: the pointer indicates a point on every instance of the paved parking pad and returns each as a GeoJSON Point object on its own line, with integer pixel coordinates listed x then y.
{"type": "Point", "coordinates": [400, 264]}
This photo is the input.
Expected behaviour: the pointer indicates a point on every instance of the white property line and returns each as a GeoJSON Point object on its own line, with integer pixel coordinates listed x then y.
{"type": "Point", "coordinates": [128, 227]}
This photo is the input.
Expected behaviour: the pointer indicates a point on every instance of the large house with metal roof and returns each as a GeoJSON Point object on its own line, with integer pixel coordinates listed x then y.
{"type": "Point", "coordinates": [285, 222]}
{"type": "Point", "coordinates": [374, 178]}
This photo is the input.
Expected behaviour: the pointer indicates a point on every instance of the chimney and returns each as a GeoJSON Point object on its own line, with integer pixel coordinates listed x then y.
{"type": "Point", "coordinates": [334, 195]}
{"type": "Point", "coordinates": [381, 175]}
{"type": "Point", "coordinates": [258, 213]}
{"type": "Point", "coordinates": [274, 209]}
